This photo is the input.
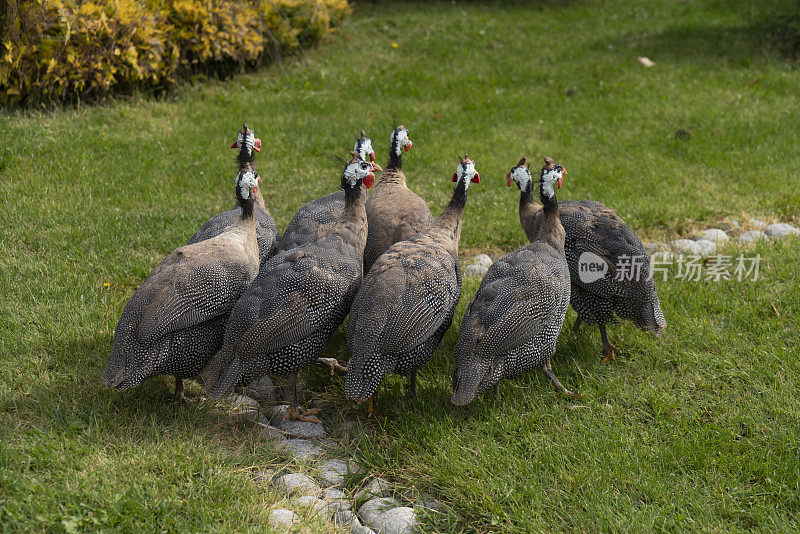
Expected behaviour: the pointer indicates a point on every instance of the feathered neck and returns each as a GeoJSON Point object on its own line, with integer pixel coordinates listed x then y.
{"type": "Point", "coordinates": [450, 218]}
{"type": "Point", "coordinates": [551, 229]}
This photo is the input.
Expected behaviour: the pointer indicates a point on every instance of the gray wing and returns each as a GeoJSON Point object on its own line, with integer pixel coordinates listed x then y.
{"type": "Point", "coordinates": [266, 231]}
{"type": "Point", "coordinates": [306, 224]}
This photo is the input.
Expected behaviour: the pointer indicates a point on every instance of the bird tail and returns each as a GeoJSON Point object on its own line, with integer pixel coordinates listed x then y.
{"type": "Point", "coordinates": [222, 373]}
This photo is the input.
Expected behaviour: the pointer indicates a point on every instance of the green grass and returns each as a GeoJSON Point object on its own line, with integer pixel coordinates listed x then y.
{"type": "Point", "coordinates": [696, 430]}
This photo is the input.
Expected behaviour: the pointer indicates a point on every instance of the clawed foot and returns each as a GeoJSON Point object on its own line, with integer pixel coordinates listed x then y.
{"type": "Point", "coordinates": [609, 352]}
{"type": "Point", "coordinates": [298, 414]}
{"type": "Point", "coordinates": [334, 364]}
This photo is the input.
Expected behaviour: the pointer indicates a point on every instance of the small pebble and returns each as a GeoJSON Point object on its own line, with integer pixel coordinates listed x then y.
{"type": "Point", "coordinates": [301, 429]}
{"type": "Point", "coordinates": [345, 518]}
{"type": "Point", "coordinates": [752, 236]}
{"type": "Point", "coordinates": [685, 246]}
{"type": "Point", "coordinates": [333, 472]}
{"type": "Point", "coordinates": [301, 449]}
{"type": "Point", "coordinates": [370, 510]}
{"type": "Point", "coordinates": [314, 505]}
{"type": "Point", "coordinates": [706, 247]}
{"type": "Point", "coordinates": [377, 487]}
{"type": "Point", "coordinates": [475, 270]}
{"type": "Point", "coordinates": [268, 431]}
{"type": "Point", "coordinates": [280, 517]}
{"type": "Point", "coordinates": [779, 230]}
{"type": "Point", "coordinates": [400, 520]}
{"type": "Point", "coordinates": [297, 483]}
{"type": "Point", "coordinates": [757, 223]}
{"type": "Point", "coordinates": [262, 389]}
{"type": "Point", "coordinates": [483, 259]}
{"type": "Point", "coordinates": [652, 248]}
{"type": "Point", "coordinates": [360, 529]}
{"type": "Point", "coordinates": [713, 234]}
{"type": "Point", "coordinates": [336, 499]}
{"type": "Point", "coordinates": [243, 408]}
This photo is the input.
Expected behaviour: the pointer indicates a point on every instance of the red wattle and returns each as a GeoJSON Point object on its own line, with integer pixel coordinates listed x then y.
{"type": "Point", "coordinates": [235, 144]}
{"type": "Point", "coordinates": [408, 146]}
{"type": "Point", "coordinates": [369, 180]}
{"type": "Point", "coordinates": [455, 177]}
{"type": "Point", "coordinates": [508, 183]}
{"type": "Point", "coordinates": [257, 145]}
{"type": "Point", "coordinates": [372, 156]}
{"type": "Point", "coordinates": [476, 179]}
{"type": "Point", "coordinates": [559, 182]}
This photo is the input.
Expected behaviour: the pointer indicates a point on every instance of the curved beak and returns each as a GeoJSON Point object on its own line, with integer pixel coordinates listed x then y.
{"type": "Point", "coordinates": [375, 167]}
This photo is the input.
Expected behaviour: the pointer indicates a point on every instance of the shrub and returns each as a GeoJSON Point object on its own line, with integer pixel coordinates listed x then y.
{"type": "Point", "coordinates": [64, 50]}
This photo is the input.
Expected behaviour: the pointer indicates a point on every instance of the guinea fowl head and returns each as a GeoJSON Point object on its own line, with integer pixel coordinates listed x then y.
{"type": "Point", "coordinates": [246, 186]}
{"type": "Point", "coordinates": [247, 143]}
{"type": "Point", "coordinates": [519, 174]}
{"type": "Point", "coordinates": [363, 147]}
{"type": "Point", "coordinates": [398, 142]}
{"type": "Point", "coordinates": [551, 173]}
{"type": "Point", "coordinates": [359, 171]}
{"type": "Point", "coordinates": [466, 172]}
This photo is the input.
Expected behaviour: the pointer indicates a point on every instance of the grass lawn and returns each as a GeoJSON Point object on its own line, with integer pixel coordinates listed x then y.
{"type": "Point", "coordinates": [697, 430]}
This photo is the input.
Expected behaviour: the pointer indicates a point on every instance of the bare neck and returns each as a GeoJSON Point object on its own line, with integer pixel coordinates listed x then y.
{"type": "Point", "coordinates": [450, 219]}
{"type": "Point", "coordinates": [550, 230]}
{"type": "Point", "coordinates": [352, 226]}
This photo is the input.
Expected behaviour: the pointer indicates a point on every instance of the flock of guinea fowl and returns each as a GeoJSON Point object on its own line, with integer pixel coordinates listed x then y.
{"type": "Point", "coordinates": [240, 301]}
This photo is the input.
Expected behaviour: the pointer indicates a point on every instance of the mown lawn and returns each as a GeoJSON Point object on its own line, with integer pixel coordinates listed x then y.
{"type": "Point", "coordinates": [697, 430]}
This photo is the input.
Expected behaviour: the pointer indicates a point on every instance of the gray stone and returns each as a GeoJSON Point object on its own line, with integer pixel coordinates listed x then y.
{"type": "Point", "coordinates": [652, 248]}
{"type": "Point", "coordinates": [706, 247]}
{"type": "Point", "coordinates": [314, 505]}
{"type": "Point", "coordinates": [333, 472]}
{"type": "Point", "coordinates": [370, 510]}
{"type": "Point", "coordinates": [337, 499]}
{"type": "Point", "coordinates": [779, 230]}
{"type": "Point", "coordinates": [377, 487]}
{"type": "Point", "coordinates": [268, 431]}
{"type": "Point", "coordinates": [757, 223]}
{"type": "Point", "coordinates": [482, 259]}
{"type": "Point", "coordinates": [262, 389]}
{"type": "Point", "coordinates": [360, 529]}
{"type": "Point", "coordinates": [275, 413]}
{"type": "Point", "coordinates": [243, 408]}
{"type": "Point", "coordinates": [297, 484]}
{"type": "Point", "coordinates": [475, 270]}
{"type": "Point", "coordinates": [713, 234]}
{"type": "Point", "coordinates": [400, 520]}
{"type": "Point", "coordinates": [300, 449]}
{"type": "Point", "coordinates": [280, 517]}
{"type": "Point", "coordinates": [752, 236]}
{"type": "Point", "coordinates": [735, 223]}
{"type": "Point", "coordinates": [345, 518]}
{"type": "Point", "coordinates": [301, 429]}
{"type": "Point", "coordinates": [684, 246]}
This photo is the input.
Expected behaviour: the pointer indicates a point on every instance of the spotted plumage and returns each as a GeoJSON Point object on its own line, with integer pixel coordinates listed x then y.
{"type": "Point", "coordinates": [394, 212]}
{"type": "Point", "coordinates": [593, 228]}
{"type": "Point", "coordinates": [175, 321]}
{"type": "Point", "coordinates": [266, 230]}
{"type": "Point", "coordinates": [315, 217]}
{"type": "Point", "coordinates": [407, 300]}
{"type": "Point", "coordinates": [299, 298]}
{"type": "Point", "coordinates": [512, 324]}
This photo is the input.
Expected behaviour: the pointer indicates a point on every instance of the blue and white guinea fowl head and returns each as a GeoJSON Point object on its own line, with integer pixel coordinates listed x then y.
{"type": "Point", "coordinates": [363, 147]}
{"type": "Point", "coordinates": [400, 141]}
{"type": "Point", "coordinates": [247, 140]}
{"type": "Point", "coordinates": [519, 174]}
{"type": "Point", "coordinates": [358, 169]}
{"type": "Point", "coordinates": [551, 173]}
{"type": "Point", "coordinates": [247, 182]}
{"type": "Point", "coordinates": [466, 172]}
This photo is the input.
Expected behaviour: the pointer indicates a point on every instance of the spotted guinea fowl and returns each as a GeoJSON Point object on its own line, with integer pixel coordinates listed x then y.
{"type": "Point", "coordinates": [597, 235]}
{"type": "Point", "coordinates": [299, 298]}
{"type": "Point", "coordinates": [407, 300]}
{"type": "Point", "coordinates": [512, 324]}
{"type": "Point", "coordinates": [394, 212]}
{"type": "Point", "coordinates": [321, 213]}
{"type": "Point", "coordinates": [175, 321]}
{"type": "Point", "coordinates": [248, 144]}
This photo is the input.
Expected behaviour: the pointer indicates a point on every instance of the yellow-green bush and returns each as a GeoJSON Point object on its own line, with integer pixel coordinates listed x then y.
{"type": "Point", "coordinates": [63, 50]}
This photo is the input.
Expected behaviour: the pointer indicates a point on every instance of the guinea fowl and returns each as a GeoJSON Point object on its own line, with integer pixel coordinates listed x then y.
{"type": "Point", "coordinates": [174, 323]}
{"type": "Point", "coordinates": [299, 298]}
{"type": "Point", "coordinates": [394, 212]}
{"type": "Point", "coordinates": [597, 235]}
{"type": "Point", "coordinates": [319, 214]}
{"type": "Point", "coordinates": [512, 324]}
{"type": "Point", "coordinates": [265, 226]}
{"type": "Point", "coordinates": [407, 300]}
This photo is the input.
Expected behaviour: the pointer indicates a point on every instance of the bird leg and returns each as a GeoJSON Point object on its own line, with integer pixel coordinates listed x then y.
{"type": "Point", "coordinates": [549, 372]}
{"type": "Point", "coordinates": [608, 348]}
{"type": "Point", "coordinates": [576, 325]}
{"type": "Point", "coordinates": [371, 407]}
{"type": "Point", "coordinates": [179, 396]}
{"type": "Point", "coordinates": [294, 412]}
{"type": "Point", "coordinates": [334, 364]}
{"type": "Point", "coordinates": [412, 383]}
